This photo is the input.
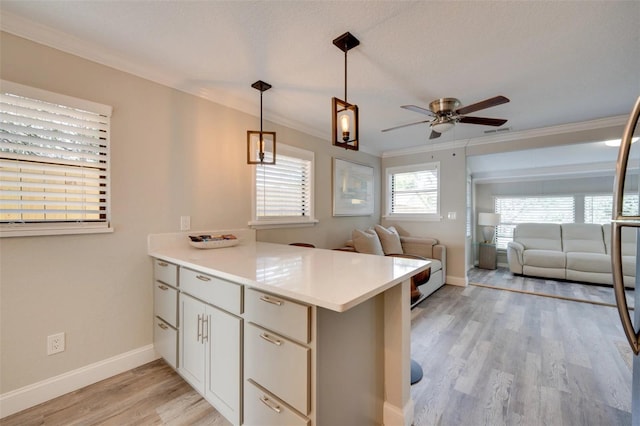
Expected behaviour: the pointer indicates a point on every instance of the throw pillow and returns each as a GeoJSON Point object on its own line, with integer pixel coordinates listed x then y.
{"type": "Point", "coordinates": [390, 239]}
{"type": "Point", "coordinates": [366, 242]}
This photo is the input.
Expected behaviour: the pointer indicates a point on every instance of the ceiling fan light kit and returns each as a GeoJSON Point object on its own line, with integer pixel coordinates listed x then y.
{"type": "Point", "coordinates": [261, 145]}
{"type": "Point", "coordinates": [344, 116]}
{"type": "Point", "coordinates": [446, 112]}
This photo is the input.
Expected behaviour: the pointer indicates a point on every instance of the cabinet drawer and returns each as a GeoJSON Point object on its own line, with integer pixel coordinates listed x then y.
{"type": "Point", "coordinates": [280, 315]}
{"type": "Point", "coordinates": [165, 302]}
{"type": "Point", "coordinates": [279, 365]}
{"type": "Point", "coordinates": [263, 409]}
{"type": "Point", "coordinates": [215, 291]}
{"type": "Point", "coordinates": [165, 272]}
{"type": "Point", "coordinates": [165, 341]}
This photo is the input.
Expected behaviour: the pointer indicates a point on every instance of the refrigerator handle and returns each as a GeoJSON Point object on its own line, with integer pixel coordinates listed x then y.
{"type": "Point", "coordinates": [618, 286]}
{"type": "Point", "coordinates": [618, 222]}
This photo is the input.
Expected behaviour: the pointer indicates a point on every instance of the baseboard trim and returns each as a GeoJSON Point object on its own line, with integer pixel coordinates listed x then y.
{"type": "Point", "coordinates": [37, 393]}
{"type": "Point", "coordinates": [459, 281]}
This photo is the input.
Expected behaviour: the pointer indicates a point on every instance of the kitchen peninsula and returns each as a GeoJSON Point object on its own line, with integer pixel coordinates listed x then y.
{"type": "Point", "coordinates": [277, 334]}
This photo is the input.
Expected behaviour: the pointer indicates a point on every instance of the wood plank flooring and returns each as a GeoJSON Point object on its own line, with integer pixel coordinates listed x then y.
{"type": "Point", "coordinates": [152, 394]}
{"type": "Point", "coordinates": [490, 357]}
{"type": "Point", "coordinates": [503, 278]}
{"type": "Point", "coordinates": [493, 357]}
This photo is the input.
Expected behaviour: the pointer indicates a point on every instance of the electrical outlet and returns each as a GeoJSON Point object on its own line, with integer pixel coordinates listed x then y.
{"type": "Point", "coordinates": [55, 343]}
{"type": "Point", "coordinates": [185, 223]}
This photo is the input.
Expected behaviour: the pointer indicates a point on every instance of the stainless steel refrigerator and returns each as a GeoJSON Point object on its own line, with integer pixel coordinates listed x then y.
{"type": "Point", "coordinates": [626, 220]}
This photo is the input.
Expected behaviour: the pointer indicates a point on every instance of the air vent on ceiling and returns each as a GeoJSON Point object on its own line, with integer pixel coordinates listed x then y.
{"type": "Point", "coordinates": [500, 130]}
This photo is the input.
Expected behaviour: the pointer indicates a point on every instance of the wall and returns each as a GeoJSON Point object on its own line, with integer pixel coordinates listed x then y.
{"type": "Point", "coordinates": [451, 233]}
{"type": "Point", "coordinates": [172, 154]}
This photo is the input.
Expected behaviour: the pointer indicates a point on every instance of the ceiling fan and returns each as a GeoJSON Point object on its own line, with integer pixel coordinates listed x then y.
{"type": "Point", "coordinates": [446, 113]}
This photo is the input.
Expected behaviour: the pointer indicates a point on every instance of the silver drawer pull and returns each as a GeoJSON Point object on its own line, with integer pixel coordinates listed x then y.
{"type": "Point", "coordinates": [163, 264]}
{"type": "Point", "coordinates": [270, 339]}
{"type": "Point", "coordinates": [266, 401]}
{"type": "Point", "coordinates": [270, 300]}
{"type": "Point", "coordinates": [162, 326]}
{"type": "Point", "coordinates": [163, 287]}
{"type": "Point", "coordinates": [203, 278]}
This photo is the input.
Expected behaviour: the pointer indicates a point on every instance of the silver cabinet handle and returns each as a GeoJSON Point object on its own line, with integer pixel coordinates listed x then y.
{"type": "Point", "coordinates": [205, 327]}
{"type": "Point", "coordinates": [163, 264]}
{"type": "Point", "coordinates": [270, 339]}
{"type": "Point", "coordinates": [266, 401]}
{"type": "Point", "coordinates": [163, 287]}
{"type": "Point", "coordinates": [199, 336]}
{"type": "Point", "coordinates": [203, 278]}
{"type": "Point", "coordinates": [271, 300]}
{"type": "Point", "coordinates": [162, 326]}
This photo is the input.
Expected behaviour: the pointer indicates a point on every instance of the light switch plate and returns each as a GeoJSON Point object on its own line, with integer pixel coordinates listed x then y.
{"type": "Point", "coordinates": [451, 215]}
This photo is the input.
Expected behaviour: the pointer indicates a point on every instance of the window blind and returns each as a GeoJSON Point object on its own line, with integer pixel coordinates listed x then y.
{"type": "Point", "coordinates": [514, 210]}
{"type": "Point", "coordinates": [414, 192]}
{"type": "Point", "coordinates": [54, 158]}
{"type": "Point", "coordinates": [598, 208]}
{"type": "Point", "coordinates": [284, 189]}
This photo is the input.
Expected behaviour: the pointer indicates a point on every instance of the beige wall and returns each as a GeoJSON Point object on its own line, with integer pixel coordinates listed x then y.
{"type": "Point", "coordinates": [173, 154]}
{"type": "Point", "coordinates": [451, 233]}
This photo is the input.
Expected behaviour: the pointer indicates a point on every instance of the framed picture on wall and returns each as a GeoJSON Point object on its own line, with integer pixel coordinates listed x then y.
{"type": "Point", "coordinates": [352, 189]}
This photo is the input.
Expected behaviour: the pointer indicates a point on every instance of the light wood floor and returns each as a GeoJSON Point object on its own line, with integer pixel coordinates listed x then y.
{"type": "Point", "coordinates": [490, 357]}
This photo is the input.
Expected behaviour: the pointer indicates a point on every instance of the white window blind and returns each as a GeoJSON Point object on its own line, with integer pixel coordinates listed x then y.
{"type": "Point", "coordinates": [284, 191]}
{"type": "Point", "coordinates": [54, 159]}
{"type": "Point", "coordinates": [598, 208]}
{"type": "Point", "coordinates": [514, 210]}
{"type": "Point", "coordinates": [414, 191]}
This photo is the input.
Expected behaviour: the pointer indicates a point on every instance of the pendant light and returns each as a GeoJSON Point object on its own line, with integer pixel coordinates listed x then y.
{"type": "Point", "coordinates": [344, 118]}
{"type": "Point", "coordinates": [261, 146]}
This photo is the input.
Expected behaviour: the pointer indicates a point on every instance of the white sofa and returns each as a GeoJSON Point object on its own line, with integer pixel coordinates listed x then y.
{"type": "Point", "coordinates": [570, 251]}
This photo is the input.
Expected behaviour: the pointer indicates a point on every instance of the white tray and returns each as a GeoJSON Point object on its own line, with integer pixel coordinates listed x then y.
{"type": "Point", "coordinates": [214, 244]}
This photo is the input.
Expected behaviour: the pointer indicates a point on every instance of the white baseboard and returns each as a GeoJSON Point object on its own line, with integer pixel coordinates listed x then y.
{"type": "Point", "coordinates": [37, 393]}
{"type": "Point", "coordinates": [459, 281]}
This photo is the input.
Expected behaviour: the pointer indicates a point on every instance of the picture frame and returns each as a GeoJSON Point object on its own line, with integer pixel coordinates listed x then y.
{"type": "Point", "coordinates": [353, 192]}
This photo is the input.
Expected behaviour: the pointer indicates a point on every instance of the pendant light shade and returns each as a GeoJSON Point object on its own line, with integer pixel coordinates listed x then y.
{"type": "Point", "coordinates": [261, 145]}
{"type": "Point", "coordinates": [344, 116]}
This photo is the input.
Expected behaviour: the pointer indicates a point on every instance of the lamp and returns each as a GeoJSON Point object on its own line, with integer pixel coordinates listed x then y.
{"type": "Point", "coordinates": [261, 146]}
{"type": "Point", "coordinates": [344, 120]}
{"type": "Point", "coordinates": [489, 221]}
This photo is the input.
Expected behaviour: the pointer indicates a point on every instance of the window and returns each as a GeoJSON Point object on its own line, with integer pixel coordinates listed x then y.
{"type": "Point", "coordinates": [54, 163]}
{"type": "Point", "coordinates": [598, 208]}
{"type": "Point", "coordinates": [283, 192]}
{"type": "Point", "coordinates": [514, 210]}
{"type": "Point", "coordinates": [414, 192]}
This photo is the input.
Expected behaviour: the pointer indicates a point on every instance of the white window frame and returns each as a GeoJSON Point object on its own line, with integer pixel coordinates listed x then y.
{"type": "Point", "coordinates": [285, 221]}
{"type": "Point", "coordinates": [63, 227]}
{"type": "Point", "coordinates": [426, 217]}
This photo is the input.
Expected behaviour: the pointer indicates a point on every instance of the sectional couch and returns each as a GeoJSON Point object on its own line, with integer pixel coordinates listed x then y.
{"type": "Point", "coordinates": [570, 251]}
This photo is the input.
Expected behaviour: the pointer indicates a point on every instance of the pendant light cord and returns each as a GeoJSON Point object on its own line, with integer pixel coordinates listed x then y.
{"type": "Point", "coordinates": [345, 72]}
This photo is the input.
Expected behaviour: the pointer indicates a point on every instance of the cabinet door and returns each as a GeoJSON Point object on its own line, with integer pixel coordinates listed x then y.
{"type": "Point", "coordinates": [224, 362]}
{"type": "Point", "coordinates": [192, 351]}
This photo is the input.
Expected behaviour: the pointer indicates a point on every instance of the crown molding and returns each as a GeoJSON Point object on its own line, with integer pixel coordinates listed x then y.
{"type": "Point", "coordinates": [599, 123]}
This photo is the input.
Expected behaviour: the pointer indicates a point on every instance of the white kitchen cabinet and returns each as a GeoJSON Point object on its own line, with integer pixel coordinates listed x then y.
{"type": "Point", "coordinates": [211, 353]}
{"type": "Point", "coordinates": [165, 309]}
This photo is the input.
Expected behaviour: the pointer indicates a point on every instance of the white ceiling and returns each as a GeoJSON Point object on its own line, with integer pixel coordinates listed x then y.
{"type": "Point", "coordinates": [558, 62]}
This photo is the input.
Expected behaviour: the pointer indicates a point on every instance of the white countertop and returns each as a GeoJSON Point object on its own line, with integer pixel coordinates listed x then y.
{"type": "Point", "coordinates": [329, 279]}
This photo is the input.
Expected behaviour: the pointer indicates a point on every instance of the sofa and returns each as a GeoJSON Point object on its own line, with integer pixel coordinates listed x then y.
{"type": "Point", "coordinates": [570, 251]}
{"type": "Point", "coordinates": [387, 241]}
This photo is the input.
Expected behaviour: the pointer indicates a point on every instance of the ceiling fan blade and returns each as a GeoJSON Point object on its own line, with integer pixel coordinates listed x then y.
{"type": "Point", "coordinates": [417, 109]}
{"type": "Point", "coordinates": [434, 135]}
{"type": "Point", "coordinates": [483, 120]}
{"type": "Point", "coordinates": [487, 103]}
{"type": "Point", "coordinates": [405, 125]}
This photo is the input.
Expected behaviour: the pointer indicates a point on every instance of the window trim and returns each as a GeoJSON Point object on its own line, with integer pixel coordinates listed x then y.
{"type": "Point", "coordinates": [287, 221]}
{"type": "Point", "coordinates": [427, 217]}
{"type": "Point", "coordinates": [17, 229]}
